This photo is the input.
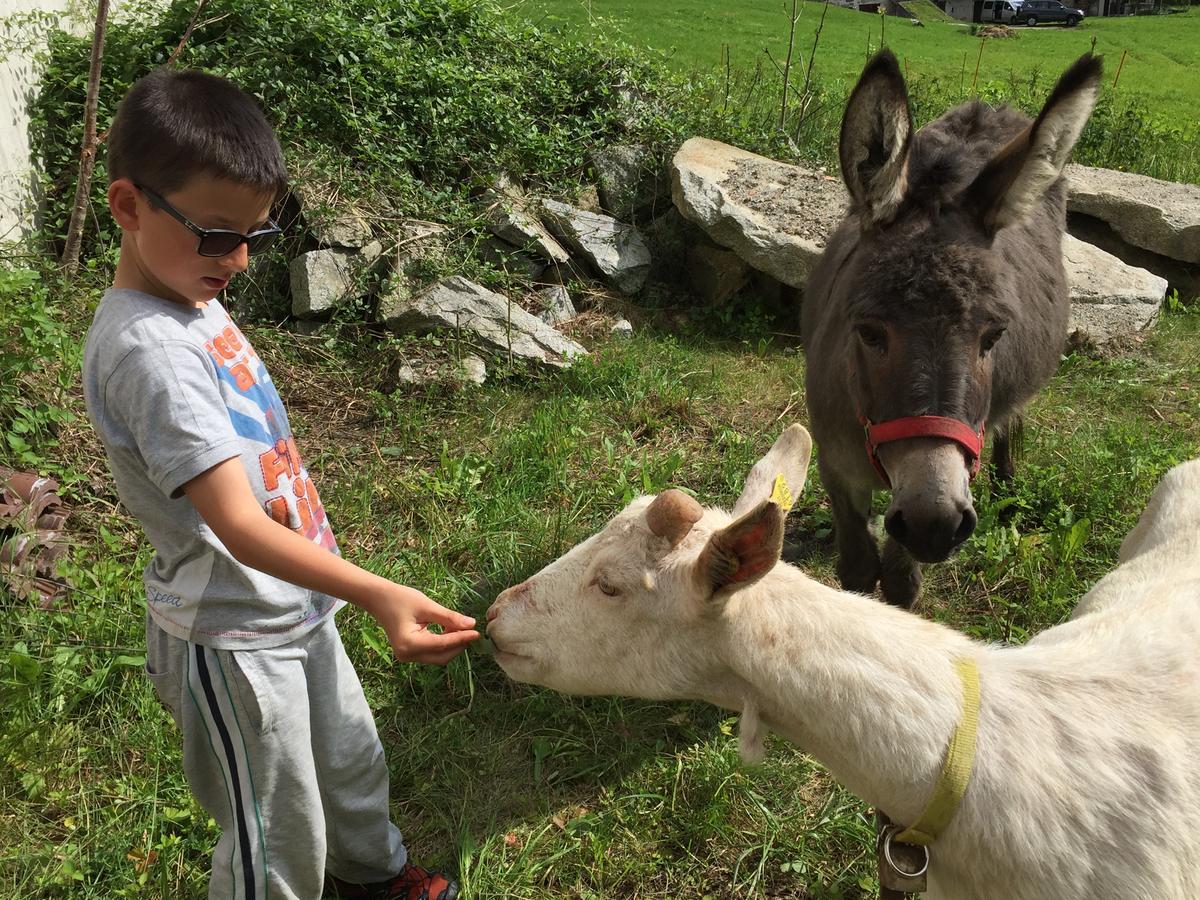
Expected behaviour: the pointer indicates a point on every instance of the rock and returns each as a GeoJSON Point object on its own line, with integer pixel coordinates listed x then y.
{"type": "Point", "coordinates": [616, 250]}
{"type": "Point", "coordinates": [588, 199]}
{"type": "Point", "coordinates": [775, 216]}
{"type": "Point", "coordinates": [1158, 215]}
{"type": "Point", "coordinates": [716, 274]}
{"type": "Point", "coordinates": [626, 180]}
{"type": "Point", "coordinates": [415, 241]}
{"type": "Point", "coordinates": [461, 306]}
{"type": "Point", "coordinates": [507, 258]}
{"type": "Point", "coordinates": [470, 370]}
{"type": "Point", "coordinates": [320, 280]}
{"type": "Point", "coordinates": [622, 329]}
{"type": "Point", "coordinates": [1109, 300]}
{"type": "Point", "coordinates": [555, 305]}
{"type": "Point", "coordinates": [341, 225]}
{"type": "Point", "coordinates": [504, 210]}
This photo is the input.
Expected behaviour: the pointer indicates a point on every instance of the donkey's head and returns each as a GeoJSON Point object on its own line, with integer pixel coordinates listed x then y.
{"type": "Point", "coordinates": [928, 285]}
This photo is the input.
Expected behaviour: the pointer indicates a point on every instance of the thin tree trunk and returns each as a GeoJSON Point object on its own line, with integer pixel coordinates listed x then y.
{"type": "Point", "coordinates": [87, 153]}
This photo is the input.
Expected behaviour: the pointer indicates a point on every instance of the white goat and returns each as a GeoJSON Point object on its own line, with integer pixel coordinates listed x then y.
{"type": "Point", "coordinates": [1086, 781]}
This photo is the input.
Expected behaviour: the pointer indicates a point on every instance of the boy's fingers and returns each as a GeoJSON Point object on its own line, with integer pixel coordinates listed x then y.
{"type": "Point", "coordinates": [433, 611]}
{"type": "Point", "coordinates": [425, 646]}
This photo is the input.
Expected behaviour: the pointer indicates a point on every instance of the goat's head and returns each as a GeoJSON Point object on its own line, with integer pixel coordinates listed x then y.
{"type": "Point", "coordinates": [633, 610]}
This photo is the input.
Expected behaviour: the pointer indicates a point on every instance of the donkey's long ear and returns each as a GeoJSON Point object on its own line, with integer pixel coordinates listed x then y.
{"type": "Point", "coordinates": [874, 142]}
{"type": "Point", "coordinates": [788, 457]}
{"type": "Point", "coordinates": [743, 552]}
{"type": "Point", "coordinates": [1013, 182]}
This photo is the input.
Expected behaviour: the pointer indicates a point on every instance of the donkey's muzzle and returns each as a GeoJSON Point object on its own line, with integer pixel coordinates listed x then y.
{"type": "Point", "coordinates": [930, 536]}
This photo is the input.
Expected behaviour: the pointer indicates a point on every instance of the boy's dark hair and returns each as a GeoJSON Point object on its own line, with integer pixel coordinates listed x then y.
{"type": "Point", "coordinates": [176, 124]}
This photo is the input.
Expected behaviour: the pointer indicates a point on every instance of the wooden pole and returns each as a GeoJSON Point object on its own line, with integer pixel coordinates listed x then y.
{"type": "Point", "coordinates": [1120, 66]}
{"type": "Point", "coordinates": [975, 80]}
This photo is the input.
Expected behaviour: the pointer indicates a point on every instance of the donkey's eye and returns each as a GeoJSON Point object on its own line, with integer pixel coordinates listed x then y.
{"type": "Point", "coordinates": [872, 336]}
{"type": "Point", "coordinates": [606, 588]}
{"type": "Point", "coordinates": [989, 340]}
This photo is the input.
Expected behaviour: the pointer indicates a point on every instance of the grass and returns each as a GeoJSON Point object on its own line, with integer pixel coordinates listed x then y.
{"type": "Point", "coordinates": [525, 792]}
{"type": "Point", "coordinates": [1162, 63]}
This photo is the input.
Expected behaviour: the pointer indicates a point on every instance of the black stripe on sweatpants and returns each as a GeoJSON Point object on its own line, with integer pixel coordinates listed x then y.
{"type": "Point", "coordinates": [227, 743]}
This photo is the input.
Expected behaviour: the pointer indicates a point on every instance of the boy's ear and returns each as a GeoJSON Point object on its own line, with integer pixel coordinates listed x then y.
{"type": "Point", "coordinates": [122, 203]}
{"type": "Point", "coordinates": [743, 552]}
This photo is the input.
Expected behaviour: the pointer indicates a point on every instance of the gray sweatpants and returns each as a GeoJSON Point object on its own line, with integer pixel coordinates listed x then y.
{"type": "Point", "coordinates": [280, 748]}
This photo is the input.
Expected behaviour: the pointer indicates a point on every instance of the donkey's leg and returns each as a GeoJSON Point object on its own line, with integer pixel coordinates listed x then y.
{"type": "Point", "coordinates": [900, 575]}
{"type": "Point", "coordinates": [858, 554]}
{"type": "Point", "coordinates": [1003, 438]}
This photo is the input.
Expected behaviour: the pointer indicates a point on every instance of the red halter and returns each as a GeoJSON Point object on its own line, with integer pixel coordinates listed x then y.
{"type": "Point", "coordinates": [955, 430]}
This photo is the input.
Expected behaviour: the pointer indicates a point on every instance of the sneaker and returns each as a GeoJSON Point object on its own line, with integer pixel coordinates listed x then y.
{"type": "Point", "coordinates": [411, 883]}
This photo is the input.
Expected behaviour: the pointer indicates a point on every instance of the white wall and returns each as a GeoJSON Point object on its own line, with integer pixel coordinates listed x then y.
{"type": "Point", "coordinates": [17, 88]}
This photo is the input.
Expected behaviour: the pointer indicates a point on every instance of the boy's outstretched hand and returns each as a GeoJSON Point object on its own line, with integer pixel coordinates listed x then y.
{"type": "Point", "coordinates": [406, 614]}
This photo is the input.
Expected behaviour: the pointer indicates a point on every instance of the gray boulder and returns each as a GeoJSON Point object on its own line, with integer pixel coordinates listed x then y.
{"type": "Point", "coordinates": [616, 250]}
{"type": "Point", "coordinates": [626, 180]}
{"type": "Point", "coordinates": [1110, 301]}
{"type": "Point", "coordinates": [775, 216]}
{"type": "Point", "coordinates": [332, 225]}
{"type": "Point", "coordinates": [321, 279]}
{"type": "Point", "coordinates": [486, 318]}
{"type": "Point", "coordinates": [505, 212]}
{"type": "Point", "coordinates": [554, 304]}
{"type": "Point", "coordinates": [1157, 215]}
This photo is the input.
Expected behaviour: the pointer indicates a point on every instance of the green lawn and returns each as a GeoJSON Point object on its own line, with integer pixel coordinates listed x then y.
{"type": "Point", "coordinates": [1163, 60]}
{"type": "Point", "coordinates": [525, 792]}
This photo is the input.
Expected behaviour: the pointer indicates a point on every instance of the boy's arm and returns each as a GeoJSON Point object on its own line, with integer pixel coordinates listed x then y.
{"type": "Point", "coordinates": [223, 497]}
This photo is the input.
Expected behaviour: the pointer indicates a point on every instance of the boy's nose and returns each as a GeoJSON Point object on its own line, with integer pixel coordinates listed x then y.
{"type": "Point", "coordinates": [238, 260]}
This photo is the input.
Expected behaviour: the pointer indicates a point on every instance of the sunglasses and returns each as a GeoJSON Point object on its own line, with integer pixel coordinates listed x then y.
{"type": "Point", "coordinates": [217, 241]}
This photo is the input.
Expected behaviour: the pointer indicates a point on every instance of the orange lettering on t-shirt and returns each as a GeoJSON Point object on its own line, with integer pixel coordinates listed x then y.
{"type": "Point", "coordinates": [222, 347]}
{"type": "Point", "coordinates": [305, 513]}
{"type": "Point", "coordinates": [277, 510]}
{"type": "Point", "coordinates": [243, 376]}
{"type": "Point", "coordinates": [274, 463]}
{"type": "Point", "coordinates": [294, 455]}
{"type": "Point", "coordinates": [310, 491]}
{"type": "Point", "coordinates": [233, 336]}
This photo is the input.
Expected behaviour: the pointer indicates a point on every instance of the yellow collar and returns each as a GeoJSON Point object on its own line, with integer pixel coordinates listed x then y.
{"type": "Point", "coordinates": [956, 771]}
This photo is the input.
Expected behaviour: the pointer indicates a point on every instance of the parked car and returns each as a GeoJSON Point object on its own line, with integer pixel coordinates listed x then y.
{"type": "Point", "coordinates": [1031, 12]}
{"type": "Point", "coordinates": [1005, 11]}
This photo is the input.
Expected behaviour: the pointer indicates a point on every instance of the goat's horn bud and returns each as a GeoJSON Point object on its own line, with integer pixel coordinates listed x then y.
{"type": "Point", "coordinates": [672, 515]}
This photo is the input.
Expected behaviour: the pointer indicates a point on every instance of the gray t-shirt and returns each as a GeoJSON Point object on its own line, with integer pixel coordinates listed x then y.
{"type": "Point", "coordinates": [172, 390]}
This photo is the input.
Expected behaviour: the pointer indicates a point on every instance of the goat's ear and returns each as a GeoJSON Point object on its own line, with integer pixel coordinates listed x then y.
{"type": "Point", "coordinates": [789, 457]}
{"type": "Point", "coordinates": [1017, 177]}
{"type": "Point", "coordinates": [873, 146]}
{"type": "Point", "coordinates": [743, 552]}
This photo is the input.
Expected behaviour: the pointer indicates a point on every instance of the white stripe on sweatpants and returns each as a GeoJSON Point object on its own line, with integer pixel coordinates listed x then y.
{"type": "Point", "coordinates": [210, 692]}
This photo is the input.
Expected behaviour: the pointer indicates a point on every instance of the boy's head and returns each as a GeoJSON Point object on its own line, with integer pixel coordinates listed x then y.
{"type": "Point", "coordinates": [188, 154]}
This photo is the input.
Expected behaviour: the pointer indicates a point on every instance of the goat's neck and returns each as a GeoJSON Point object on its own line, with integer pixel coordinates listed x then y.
{"type": "Point", "coordinates": [867, 689]}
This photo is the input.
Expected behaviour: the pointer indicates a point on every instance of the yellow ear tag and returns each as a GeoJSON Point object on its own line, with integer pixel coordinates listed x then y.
{"type": "Point", "coordinates": [780, 494]}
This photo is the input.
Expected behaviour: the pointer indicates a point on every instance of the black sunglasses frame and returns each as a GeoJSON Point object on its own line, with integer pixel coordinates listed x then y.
{"type": "Point", "coordinates": [255, 241]}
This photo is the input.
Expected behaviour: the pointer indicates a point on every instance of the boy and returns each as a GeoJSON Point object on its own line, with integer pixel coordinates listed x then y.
{"type": "Point", "coordinates": [279, 745]}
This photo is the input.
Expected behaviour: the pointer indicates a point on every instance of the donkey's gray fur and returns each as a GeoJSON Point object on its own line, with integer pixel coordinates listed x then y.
{"type": "Point", "coordinates": [952, 244]}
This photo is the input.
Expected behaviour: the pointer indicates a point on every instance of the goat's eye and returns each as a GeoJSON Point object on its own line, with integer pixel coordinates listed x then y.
{"type": "Point", "coordinates": [989, 339]}
{"type": "Point", "coordinates": [607, 588]}
{"type": "Point", "coordinates": [873, 336]}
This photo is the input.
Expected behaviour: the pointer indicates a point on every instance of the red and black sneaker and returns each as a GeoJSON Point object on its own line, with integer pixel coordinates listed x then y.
{"type": "Point", "coordinates": [411, 883]}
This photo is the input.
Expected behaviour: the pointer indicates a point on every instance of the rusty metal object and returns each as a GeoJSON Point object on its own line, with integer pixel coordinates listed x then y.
{"type": "Point", "coordinates": [32, 540]}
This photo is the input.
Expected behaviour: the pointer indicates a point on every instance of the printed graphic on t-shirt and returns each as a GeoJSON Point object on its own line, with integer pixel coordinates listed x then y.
{"type": "Point", "coordinates": [281, 482]}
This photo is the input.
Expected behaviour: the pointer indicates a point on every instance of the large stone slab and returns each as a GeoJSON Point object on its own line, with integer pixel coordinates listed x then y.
{"type": "Point", "coordinates": [459, 305]}
{"type": "Point", "coordinates": [1158, 215]}
{"type": "Point", "coordinates": [615, 249]}
{"type": "Point", "coordinates": [775, 216]}
{"type": "Point", "coordinates": [1109, 300]}
{"type": "Point", "coordinates": [332, 224]}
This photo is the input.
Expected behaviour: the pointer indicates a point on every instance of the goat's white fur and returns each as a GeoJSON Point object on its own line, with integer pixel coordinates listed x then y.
{"type": "Point", "coordinates": [1087, 776]}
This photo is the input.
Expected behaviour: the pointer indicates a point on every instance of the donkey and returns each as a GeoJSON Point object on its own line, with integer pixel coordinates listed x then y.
{"type": "Point", "coordinates": [938, 308]}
